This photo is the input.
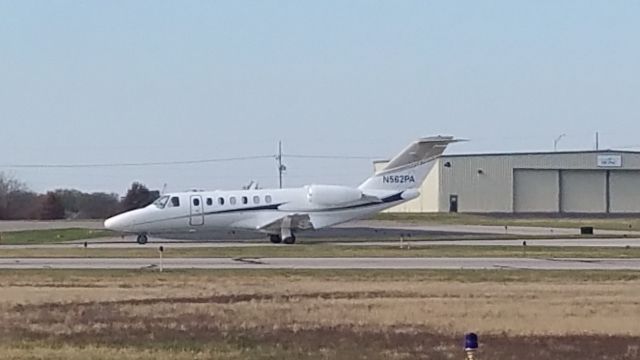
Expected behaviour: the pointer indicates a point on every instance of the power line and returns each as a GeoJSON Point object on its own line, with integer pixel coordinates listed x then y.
{"type": "Point", "coordinates": [332, 157]}
{"type": "Point", "coordinates": [135, 164]}
{"type": "Point", "coordinates": [180, 162]}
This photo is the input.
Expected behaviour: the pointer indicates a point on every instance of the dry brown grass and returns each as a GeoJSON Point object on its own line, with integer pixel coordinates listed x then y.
{"type": "Point", "coordinates": [35, 351]}
{"type": "Point", "coordinates": [227, 315]}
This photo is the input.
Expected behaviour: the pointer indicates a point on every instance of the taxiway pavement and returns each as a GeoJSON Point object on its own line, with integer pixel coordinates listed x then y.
{"type": "Point", "coordinates": [356, 228]}
{"type": "Point", "coordinates": [129, 243]}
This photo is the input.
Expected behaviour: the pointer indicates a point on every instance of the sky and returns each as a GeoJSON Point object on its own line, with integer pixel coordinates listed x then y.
{"type": "Point", "coordinates": [90, 82]}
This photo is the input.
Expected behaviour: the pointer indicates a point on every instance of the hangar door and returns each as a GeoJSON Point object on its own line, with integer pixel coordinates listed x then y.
{"type": "Point", "coordinates": [583, 191]}
{"type": "Point", "coordinates": [535, 190]}
{"type": "Point", "coordinates": [624, 191]}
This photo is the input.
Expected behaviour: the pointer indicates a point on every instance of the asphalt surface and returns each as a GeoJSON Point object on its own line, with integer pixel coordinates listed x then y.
{"type": "Point", "coordinates": [324, 263]}
{"type": "Point", "coordinates": [359, 228]}
{"type": "Point", "coordinates": [580, 242]}
{"type": "Point", "coordinates": [356, 233]}
{"type": "Point", "coordinates": [377, 229]}
{"type": "Point", "coordinates": [129, 243]}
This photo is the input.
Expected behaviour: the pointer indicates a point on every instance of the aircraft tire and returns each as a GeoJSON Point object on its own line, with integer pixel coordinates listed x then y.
{"type": "Point", "coordinates": [276, 239]}
{"type": "Point", "coordinates": [142, 239]}
{"type": "Point", "coordinates": [290, 240]}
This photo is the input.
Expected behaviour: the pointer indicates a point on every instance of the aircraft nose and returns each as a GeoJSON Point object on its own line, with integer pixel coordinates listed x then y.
{"type": "Point", "coordinates": [117, 223]}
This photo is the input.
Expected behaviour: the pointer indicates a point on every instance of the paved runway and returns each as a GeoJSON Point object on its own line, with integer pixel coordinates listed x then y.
{"type": "Point", "coordinates": [358, 228]}
{"type": "Point", "coordinates": [580, 242]}
{"type": "Point", "coordinates": [356, 233]}
{"type": "Point", "coordinates": [129, 243]}
{"type": "Point", "coordinates": [385, 230]}
{"type": "Point", "coordinates": [481, 229]}
{"type": "Point", "coordinates": [324, 263]}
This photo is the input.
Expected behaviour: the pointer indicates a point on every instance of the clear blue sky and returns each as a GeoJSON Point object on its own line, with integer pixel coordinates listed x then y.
{"type": "Point", "coordinates": [135, 81]}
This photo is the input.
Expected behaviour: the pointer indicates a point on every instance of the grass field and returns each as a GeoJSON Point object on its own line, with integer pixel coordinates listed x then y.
{"type": "Point", "coordinates": [329, 250]}
{"type": "Point", "coordinates": [50, 236]}
{"type": "Point", "coordinates": [318, 314]}
{"type": "Point", "coordinates": [631, 222]}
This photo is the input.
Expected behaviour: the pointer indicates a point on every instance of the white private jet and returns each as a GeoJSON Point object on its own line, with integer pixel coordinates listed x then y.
{"type": "Point", "coordinates": [281, 213]}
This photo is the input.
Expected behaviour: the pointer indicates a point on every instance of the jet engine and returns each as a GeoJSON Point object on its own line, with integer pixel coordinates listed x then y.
{"type": "Point", "coordinates": [332, 194]}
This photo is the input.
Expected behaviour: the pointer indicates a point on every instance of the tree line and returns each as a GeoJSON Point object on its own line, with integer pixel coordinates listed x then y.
{"type": "Point", "coordinates": [18, 202]}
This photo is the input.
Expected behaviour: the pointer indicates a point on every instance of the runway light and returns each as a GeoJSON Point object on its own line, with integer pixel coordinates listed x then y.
{"type": "Point", "coordinates": [471, 345]}
{"type": "Point", "coordinates": [161, 250]}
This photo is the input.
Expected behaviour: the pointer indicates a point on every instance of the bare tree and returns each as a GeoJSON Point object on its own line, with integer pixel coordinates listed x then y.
{"type": "Point", "coordinates": [52, 207]}
{"type": "Point", "coordinates": [9, 188]}
{"type": "Point", "coordinates": [98, 205]}
{"type": "Point", "coordinates": [139, 196]}
{"type": "Point", "coordinates": [17, 202]}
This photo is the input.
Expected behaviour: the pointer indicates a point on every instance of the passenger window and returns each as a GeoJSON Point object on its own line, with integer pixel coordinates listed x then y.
{"type": "Point", "coordinates": [220, 201]}
{"type": "Point", "coordinates": [256, 199]}
{"type": "Point", "coordinates": [196, 202]}
{"type": "Point", "coordinates": [267, 199]}
{"type": "Point", "coordinates": [209, 202]}
{"type": "Point", "coordinates": [245, 200]}
{"type": "Point", "coordinates": [175, 201]}
{"type": "Point", "coordinates": [232, 200]}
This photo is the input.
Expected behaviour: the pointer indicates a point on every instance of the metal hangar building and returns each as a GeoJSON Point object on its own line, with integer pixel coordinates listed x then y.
{"type": "Point", "coordinates": [580, 182]}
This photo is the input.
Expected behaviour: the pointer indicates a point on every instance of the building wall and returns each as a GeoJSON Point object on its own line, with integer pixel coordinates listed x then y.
{"type": "Point", "coordinates": [485, 183]}
{"type": "Point", "coordinates": [430, 190]}
{"type": "Point", "coordinates": [536, 182]}
{"type": "Point", "coordinates": [479, 183]}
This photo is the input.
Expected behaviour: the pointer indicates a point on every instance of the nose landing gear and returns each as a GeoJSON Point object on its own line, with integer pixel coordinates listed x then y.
{"type": "Point", "coordinates": [142, 239]}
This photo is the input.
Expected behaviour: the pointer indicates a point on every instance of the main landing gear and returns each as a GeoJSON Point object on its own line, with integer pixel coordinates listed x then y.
{"type": "Point", "coordinates": [142, 239]}
{"type": "Point", "coordinates": [277, 239]}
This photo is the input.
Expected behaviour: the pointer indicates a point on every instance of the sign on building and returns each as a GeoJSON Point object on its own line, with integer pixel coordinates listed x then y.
{"type": "Point", "coordinates": [609, 160]}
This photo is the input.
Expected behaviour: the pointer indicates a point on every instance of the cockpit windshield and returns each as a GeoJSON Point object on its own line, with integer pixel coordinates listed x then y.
{"type": "Point", "coordinates": [161, 202]}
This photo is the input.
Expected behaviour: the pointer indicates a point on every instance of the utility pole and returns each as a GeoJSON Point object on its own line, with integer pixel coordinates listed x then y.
{"type": "Point", "coordinates": [281, 167]}
{"type": "Point", "coordinates": [597, 140]}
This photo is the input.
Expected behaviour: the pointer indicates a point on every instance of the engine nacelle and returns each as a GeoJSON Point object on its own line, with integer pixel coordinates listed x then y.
{"type": "Point", "coordinates": [332, 194]}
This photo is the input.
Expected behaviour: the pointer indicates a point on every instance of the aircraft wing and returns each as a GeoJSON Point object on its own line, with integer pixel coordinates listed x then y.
{"type": "Point", "coordinates": [291, 221]}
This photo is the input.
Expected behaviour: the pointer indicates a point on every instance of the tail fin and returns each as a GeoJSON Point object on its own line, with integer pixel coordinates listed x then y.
{"type": "Point", "coordinates": [408, 169]}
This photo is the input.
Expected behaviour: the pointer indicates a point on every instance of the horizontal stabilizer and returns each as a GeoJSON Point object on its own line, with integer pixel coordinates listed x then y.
{"type": "Point", "coordinates": [421, 150]}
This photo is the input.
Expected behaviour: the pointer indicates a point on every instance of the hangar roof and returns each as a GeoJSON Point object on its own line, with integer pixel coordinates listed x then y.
{"type": "Point", "coordinates": [525, 153]}
{"type": "Point", "coordinates": [572, 152]}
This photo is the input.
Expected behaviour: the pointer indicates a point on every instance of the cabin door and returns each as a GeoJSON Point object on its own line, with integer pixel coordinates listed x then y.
{"type": "Point", "coordinates": [197, 211]}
